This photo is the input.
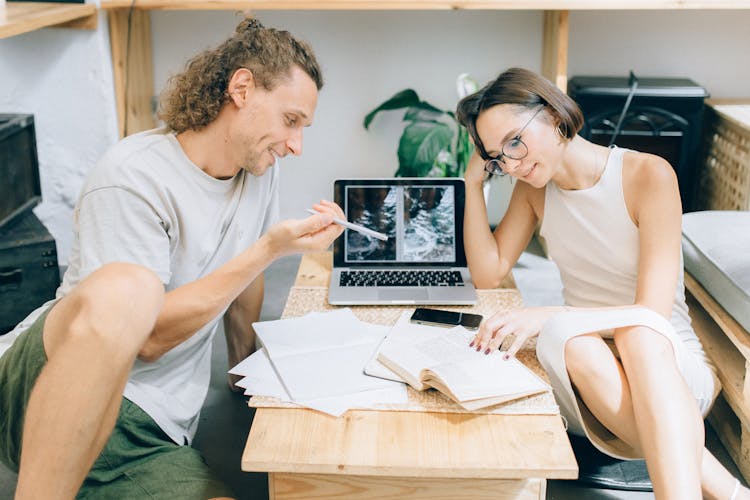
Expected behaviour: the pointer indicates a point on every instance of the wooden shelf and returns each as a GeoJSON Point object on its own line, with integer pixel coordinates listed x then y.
{"type": "Point", "coordinates": [426, 4]}
{"type": "Point", "coordinates": [22, 17]}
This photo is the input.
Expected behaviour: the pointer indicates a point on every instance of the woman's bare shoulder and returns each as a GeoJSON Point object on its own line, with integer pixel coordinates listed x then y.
{"type": "Point", "coordinates": [647, 171]}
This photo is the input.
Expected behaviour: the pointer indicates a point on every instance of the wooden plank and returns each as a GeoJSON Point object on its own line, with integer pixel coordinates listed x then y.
{"type": "Point", "coordinates": [409, 444]}
{"type": "Point", "coordinates": [732, 434]}
{"type": "Point", "coordinates": [133, 69]}
{"type": "Point", "coordinates": [23, 17]}
{"type": "Point", "coordinates": [315, 270]}
{"type": "Point", "coordinates": [428, 4]}
{"type": "Point", "coordinates": [555, 48]}
{"type": "Point", "coordinates": [731, 366]}
{"type": "Point", "coordinates": [733, 330]}
{"type": "Point", "coordinates": [310, 486]}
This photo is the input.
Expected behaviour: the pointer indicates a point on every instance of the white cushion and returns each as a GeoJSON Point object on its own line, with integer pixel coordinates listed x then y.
{"type": "Point", "coordinates": [716, 248]}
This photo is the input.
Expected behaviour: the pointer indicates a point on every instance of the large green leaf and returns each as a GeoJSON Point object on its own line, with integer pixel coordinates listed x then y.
{"type": "Point", "coordinates": [419, 146]}
{"type": "Point", "coordinates": [414, 114]}
{"type": "Point", "coordinates": [407, 98]}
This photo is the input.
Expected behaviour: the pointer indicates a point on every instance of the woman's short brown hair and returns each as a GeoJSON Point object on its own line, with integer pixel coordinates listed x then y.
{"type": "Point", "coordinates": [193, 98]}
{"type": "Point", "coordinates": [524, 88]}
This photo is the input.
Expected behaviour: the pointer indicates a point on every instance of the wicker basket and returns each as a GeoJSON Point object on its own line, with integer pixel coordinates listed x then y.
{"type": "Point", "coordinates": [725, 177]}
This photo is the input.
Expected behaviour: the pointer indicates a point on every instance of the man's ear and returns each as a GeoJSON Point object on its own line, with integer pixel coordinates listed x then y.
{"type": "Point", "coordinates": [240, 86]}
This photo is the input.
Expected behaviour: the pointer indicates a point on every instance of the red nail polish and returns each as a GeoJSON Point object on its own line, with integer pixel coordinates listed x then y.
{"type": "Point", "coordinates": [472, 344]}
{"type": "Point", "coordinates": [506, 357]}
{"type": "Point", "coordinates": [487, 351]}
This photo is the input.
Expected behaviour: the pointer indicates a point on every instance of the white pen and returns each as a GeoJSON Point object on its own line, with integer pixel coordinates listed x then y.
{"type": "Point", "coordinates": [355, 227]}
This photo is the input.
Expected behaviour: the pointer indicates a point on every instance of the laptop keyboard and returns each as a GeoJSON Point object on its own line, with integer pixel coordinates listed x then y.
{"type": "Point", "coordinates": [401, 278]}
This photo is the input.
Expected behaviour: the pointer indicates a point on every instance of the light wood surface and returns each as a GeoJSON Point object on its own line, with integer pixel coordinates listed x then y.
{"type": "Point", "coordinates": [315, 270]}
{"type": "Point", "coordinates": [133, 69]}
{"type": "Point", "coordinates": [23, 17]}
{"type": "Point", "coordinates": [555, 48]}
{"type": "Point", "coordinates": [312, 486]}
{"type": "Point", "coordinates": [403, 455]}
{"type": "Point", "coordinates": [428, 4]}
{"type": "Point", "coordinates": [727, 344]}
{"type": "Point", "coordinates": [733, 330]}
{"type": "Point", "coordinates": [409, 444]}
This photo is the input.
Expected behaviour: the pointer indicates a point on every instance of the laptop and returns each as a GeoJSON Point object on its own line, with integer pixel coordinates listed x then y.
{"type": "Point", "coordinates": [423, 261]}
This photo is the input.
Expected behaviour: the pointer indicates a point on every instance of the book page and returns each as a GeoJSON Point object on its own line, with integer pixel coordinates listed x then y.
{"type": "Point", "coordinates": [409, 333]}
{"type": "Point", "coordinates": [448, 363]}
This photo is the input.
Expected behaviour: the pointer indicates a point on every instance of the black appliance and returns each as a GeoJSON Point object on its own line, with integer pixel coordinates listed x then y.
{"type": "Point", "coordinates": [20, 190]}
{"type": "Point", "coordinates": [662, 116]}
{"type": "Point", "coordinates": [29, 272]}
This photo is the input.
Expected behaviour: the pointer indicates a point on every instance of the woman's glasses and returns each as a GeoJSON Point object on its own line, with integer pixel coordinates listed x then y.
{"type": "Point", "coordinates": [514, 148]}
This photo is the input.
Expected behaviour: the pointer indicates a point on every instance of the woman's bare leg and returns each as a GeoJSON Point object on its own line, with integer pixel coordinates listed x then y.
{"type": "Point", "coordinates": [602, 384]}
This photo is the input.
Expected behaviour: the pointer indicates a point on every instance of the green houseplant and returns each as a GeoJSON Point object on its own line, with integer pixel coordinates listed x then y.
{"type": "Point", "coordinates": [433, 143]}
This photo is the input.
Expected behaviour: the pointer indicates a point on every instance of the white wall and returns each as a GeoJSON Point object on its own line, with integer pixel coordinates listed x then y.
{"type": "Point", "coordinates": [64, 77]}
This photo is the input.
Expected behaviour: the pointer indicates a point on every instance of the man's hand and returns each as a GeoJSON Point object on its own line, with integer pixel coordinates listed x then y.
{"type": "Point", "coordinates": [315, 233]}
{"type": "Point", "coordinates": [524, 324]}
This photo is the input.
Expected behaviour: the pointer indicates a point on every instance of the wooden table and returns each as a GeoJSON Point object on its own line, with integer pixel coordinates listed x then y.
{"type": "Point", "coordinates": [404, 455]}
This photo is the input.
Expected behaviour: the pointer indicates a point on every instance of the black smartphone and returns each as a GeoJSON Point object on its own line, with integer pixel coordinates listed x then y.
{"type": "Point", "coordinates": [440, 317]}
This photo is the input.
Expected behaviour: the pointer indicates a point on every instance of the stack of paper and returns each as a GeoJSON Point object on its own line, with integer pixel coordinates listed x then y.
{"type": "Point", "coordinates": [317, 361]}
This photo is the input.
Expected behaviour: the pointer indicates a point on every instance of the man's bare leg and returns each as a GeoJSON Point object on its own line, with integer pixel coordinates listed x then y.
{"type": "Point", "coordinates": [91, 338]}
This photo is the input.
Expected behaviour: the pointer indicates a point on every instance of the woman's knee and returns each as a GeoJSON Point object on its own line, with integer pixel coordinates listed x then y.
{"type": "Point", "coordinates": [643, 347]}
{"type": "Point", "coordinates": [587, 356]}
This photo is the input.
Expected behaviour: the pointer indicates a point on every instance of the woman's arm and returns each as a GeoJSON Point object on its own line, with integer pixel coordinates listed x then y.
{"type": "Point", "coordinates": [653, 200]}
{"type": "Point", "coordinates": [490, 258]}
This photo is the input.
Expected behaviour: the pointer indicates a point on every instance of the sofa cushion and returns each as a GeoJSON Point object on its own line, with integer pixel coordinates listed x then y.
{"type": "Point", "coordinates": [716, 248]}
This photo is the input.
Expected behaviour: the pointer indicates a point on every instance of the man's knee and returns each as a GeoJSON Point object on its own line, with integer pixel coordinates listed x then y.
{"type": "Point", "coordinates": [115, 306]}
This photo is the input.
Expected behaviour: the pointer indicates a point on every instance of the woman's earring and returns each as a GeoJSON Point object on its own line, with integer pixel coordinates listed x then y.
{"type": "Point", "coordinates": [560, 131]}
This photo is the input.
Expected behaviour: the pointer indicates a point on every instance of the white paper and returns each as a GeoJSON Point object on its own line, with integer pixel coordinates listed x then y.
{"type": "Point", "coordinates": [321, 355]}
{"type": "Point", "coordinates": [260, 378]}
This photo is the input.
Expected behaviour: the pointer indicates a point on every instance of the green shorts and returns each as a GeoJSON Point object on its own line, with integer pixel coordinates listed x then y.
{"type": "Point", "coordinates": [138, 461]}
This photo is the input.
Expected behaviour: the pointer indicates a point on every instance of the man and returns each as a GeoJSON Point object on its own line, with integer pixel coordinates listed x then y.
{"type": "Point", "coordinates": [101, 390]}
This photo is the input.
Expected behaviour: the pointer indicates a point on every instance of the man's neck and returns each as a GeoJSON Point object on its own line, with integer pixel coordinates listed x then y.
{"type": "Point", "coordinates": [207, 148]}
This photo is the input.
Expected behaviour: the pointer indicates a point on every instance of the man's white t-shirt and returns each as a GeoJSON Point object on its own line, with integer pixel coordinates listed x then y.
{"type": "Point", "coordinates": [145, 202]}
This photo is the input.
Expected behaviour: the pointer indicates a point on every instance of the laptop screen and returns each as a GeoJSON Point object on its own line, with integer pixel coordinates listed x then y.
{"type": "Point", "coordinates": [420, 216]}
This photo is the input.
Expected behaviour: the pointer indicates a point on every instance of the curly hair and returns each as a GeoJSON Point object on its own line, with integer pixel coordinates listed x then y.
{"type": "Point", "coordinates": [524, 88]}
{"type": "Point", "coordinates": [193, 98]}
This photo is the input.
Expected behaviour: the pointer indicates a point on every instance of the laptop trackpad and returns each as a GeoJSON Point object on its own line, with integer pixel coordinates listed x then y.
{"type": "Point", "coordinates": [412, 294]}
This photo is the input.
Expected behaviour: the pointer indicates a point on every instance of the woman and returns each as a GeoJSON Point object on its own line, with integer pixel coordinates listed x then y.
{"type": "Point", "coordinates": [625, 365]}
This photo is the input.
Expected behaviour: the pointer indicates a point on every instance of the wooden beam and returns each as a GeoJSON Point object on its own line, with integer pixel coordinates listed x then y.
{"type": "Point", "coordinates": [133, 69]}
{"type": "Point", "coordinates": [22, 17]}
{"type": "Point", "coordinates": [555, 48]}
{"type": "Point", "coordinates": [428, 4]}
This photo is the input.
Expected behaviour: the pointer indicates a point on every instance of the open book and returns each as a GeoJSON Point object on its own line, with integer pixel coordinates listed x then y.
{"type": "Point", "coordinates": [447, 363]}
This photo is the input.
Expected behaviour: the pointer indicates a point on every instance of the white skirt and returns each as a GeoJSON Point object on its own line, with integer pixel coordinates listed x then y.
{"type": "Point", "coordinates": [550, 349]}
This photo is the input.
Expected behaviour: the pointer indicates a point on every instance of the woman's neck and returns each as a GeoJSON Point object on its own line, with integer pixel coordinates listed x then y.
{"type": "Point", "coordinates": [582, 165]}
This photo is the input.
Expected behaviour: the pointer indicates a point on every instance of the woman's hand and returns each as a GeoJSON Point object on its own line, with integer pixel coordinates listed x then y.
{"type": "Point", "coordinates": [475, 173]}
{"type": "Point", "coordinates": [524, 324]}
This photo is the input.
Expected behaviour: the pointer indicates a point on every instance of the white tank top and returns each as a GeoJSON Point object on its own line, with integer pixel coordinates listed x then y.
{"type": "Point", "coordinates": [594, 242]}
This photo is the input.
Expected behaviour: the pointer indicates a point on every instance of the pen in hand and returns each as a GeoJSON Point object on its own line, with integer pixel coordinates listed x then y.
{"type": "Point", "coordinates": [355, 227]}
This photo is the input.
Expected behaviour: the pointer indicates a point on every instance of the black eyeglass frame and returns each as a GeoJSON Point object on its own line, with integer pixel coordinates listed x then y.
{"type": "Point", "coordinates": [492, 165]}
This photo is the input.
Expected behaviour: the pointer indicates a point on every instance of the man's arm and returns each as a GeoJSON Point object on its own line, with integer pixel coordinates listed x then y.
{"type": "Point", "coordinates": [238, 320]}
{"type": "Point", "coordinates": [187, 308]}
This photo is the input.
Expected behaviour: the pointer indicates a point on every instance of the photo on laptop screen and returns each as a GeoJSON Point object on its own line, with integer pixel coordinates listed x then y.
{"type": "Point", "coordinates": [420, 222]}
{"type": "Point", "coordinates": [423, 260]}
